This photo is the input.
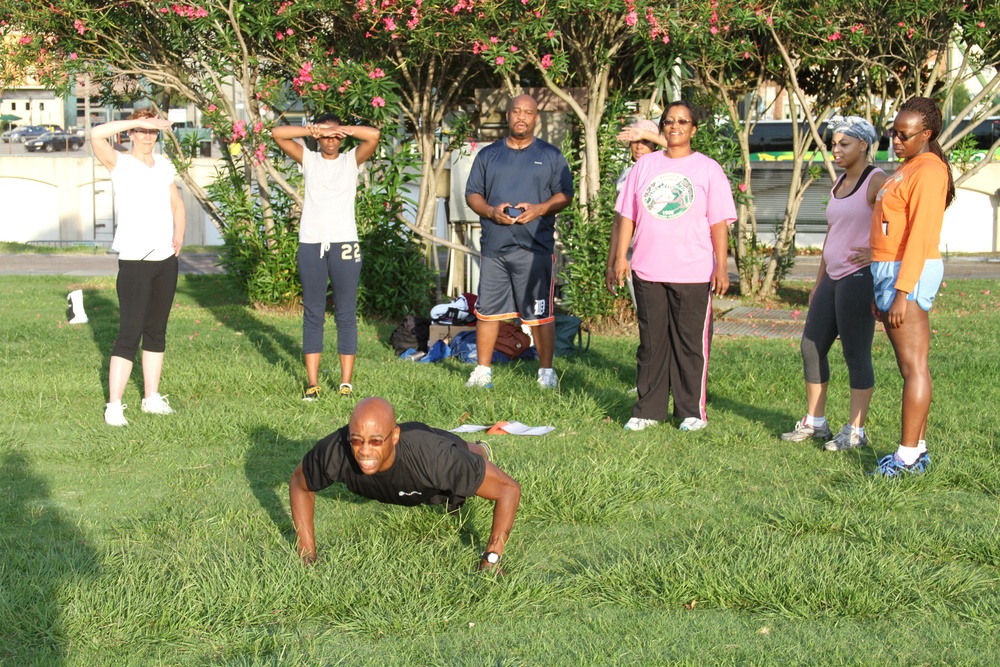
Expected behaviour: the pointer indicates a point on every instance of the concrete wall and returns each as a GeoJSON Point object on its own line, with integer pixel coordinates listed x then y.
{"type": "Point", "coordinates": [53, 199]}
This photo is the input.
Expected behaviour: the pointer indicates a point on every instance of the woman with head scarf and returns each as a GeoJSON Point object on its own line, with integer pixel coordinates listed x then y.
{"type": "Point", "coordinates": [840, 302]}
{"type": "Point", "coordinates": [907, 267]}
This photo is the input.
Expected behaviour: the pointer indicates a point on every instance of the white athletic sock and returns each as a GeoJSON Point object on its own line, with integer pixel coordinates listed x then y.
{"type": "Point", "coordinates": [815, 421]}
{"type": "Point", "coordinates": [908, 454]}
{"type": "Point", "coordinates": [921, 446]}
{"type": "Point", "coordinates": [860, 430]}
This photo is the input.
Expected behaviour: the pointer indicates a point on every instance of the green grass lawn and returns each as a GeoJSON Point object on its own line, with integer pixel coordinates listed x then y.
{"type": "Point", "coordinates": [169, 542]}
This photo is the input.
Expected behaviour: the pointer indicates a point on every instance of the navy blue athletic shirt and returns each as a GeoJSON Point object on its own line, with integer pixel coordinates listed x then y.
{"type": "Point", "coordinates": [502, 174]}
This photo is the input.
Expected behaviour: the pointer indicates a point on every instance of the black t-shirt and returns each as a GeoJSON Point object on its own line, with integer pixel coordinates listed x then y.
{"type": "Point", "coordinates": [431, 466]}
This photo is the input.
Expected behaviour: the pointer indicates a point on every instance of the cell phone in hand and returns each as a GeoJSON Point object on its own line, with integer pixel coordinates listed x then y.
{"type": "Point", "coordinates": [514, 211]}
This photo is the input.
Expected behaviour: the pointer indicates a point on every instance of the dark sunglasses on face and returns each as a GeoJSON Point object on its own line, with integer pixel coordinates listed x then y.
{"type": "Point", "coordinates": [902, 136]}
{"type": "Point", "coordinates": [141, 130]}
{"type": "Point", "coordinates": [374, 441]}
{"type": "Point", "coordinates": [667, 122]}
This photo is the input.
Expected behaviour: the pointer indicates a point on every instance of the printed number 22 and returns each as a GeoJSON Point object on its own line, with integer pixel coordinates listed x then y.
{"type": "Point", "coordinates": [349, 251]}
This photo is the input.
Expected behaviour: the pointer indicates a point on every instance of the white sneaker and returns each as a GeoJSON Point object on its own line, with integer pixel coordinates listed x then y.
{"type": "Point", "coordinates": [114, 414]}
{"type": "Point", "coordinates": [547, 378]}
{"type": "Point", "coordinates": [638, 424]}
{"type": "Point", "coordinates": [693, 424]}
{"type": "Point", "coordinates": [481, 377]}
{"type": "Point", "coordinates": [157, 405]}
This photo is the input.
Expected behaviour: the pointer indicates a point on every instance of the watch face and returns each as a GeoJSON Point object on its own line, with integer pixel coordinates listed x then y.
{"type": "Point", "coordinates": [492, 557]}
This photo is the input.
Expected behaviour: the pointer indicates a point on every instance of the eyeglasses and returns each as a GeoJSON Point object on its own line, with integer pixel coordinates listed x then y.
{"type": "Point", "coordinates": [374, 441]}
{"type": "Point", "coordinates": [141, 130]}
{"type": "Point", "coordinates": [902, 136]}
{"type": "Point", "coordinates": [667, 122]}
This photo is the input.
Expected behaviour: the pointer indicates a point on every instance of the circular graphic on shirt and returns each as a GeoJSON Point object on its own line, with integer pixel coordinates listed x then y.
{"type": "Point", "coordinates": [668, 196]}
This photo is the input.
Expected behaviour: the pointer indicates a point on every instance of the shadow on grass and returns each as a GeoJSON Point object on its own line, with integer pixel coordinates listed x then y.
{"type": "Point", "coordinates": [218, 295]}
{"type": "Point", "coordinates": [43, 554]}
{"type": "Point", "coordinates": [103, 317]}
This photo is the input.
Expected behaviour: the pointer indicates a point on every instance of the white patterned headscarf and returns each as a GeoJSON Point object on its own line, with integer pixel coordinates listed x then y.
{"type": "Point", "coordinates": [857, 127]}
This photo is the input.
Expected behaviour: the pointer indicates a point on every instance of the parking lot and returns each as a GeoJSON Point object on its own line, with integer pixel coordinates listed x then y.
{"type": "Point", "coordinates": [19, 149]}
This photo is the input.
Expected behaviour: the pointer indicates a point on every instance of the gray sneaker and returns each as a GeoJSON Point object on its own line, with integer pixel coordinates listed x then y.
{"type": "Point", "coordinates": [803, 432]}
{"type": "Point", "coordinates": [846, 439]}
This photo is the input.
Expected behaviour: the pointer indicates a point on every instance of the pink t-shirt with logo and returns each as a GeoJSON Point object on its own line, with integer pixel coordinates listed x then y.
{"type": "Point", "coordinates": [674, 202]}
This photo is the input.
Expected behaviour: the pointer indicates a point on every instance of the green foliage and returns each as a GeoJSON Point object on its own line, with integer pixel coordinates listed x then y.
{"type": "Point", "coordinates": [395, 280]}
{"type": "Point", "coordinates": [586, 243]}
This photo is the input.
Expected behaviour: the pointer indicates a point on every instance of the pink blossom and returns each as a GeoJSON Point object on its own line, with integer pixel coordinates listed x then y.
{"type": "Point", "coordinates": [80, 28]}
{"type": "Point", "coordinates": [494, 40]}
{"type": "Point", "coordinates": [378, 102]}
{"type": "Point", "coordinates": [714, 30]}
{"type": "Point", "coordinates": [473, 145]}
{"type": "Point", "coordinates": [834, 37]}
{"type": "Point", "coordinates": [283, 7]}
{"type": "Point", "coordinates": [258, 126]}
{"type": "Point", "coordinates": [289, 32]}
{"type": "Point", "coordinates": [261, 153]}
{"type": "Point", "coordinates": [632, 18]}
{"type": "Point", "coordinates": [980, 25]}
{"type": "Point", "coordinates": [73, 56]}
{"type": "Point", "coordinates": [164, 10]}
{"type": "Point", "coordinates": [376, 73]}
{"type": "Point", "coordinates": [500, 60]}
{"type": "Point", "coordinates": [24, 40]}
{"type": "Point", "coordinates": [390, 25]}
{"type": "Point", "coordinates": [513, 49]}
{"type": "Point", "coordinates": [212, 107]}
{"type": "Point", "coordinates": [547, 61]}
{"type": "Point", "coordinates": [550, 34]}
{"type": "Point", "coordinates": [743, 187]}
{"type": "Point", "coordinates": [279, 35]}
{"type": "Point", "coordinates": [746, 55]}
{"type": "Point", "coordinates": [239, 130]}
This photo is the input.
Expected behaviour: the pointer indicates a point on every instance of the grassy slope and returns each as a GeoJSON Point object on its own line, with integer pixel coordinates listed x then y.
{"type": "Point", "coordinates": [169, 542]}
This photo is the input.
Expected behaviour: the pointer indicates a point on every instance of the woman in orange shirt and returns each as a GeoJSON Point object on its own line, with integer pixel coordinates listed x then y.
{"type": "Point", "coordinates": [907, 267]}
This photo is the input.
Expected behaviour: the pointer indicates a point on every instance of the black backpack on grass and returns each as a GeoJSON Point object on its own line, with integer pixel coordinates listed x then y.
{"type": "Point", "coordinates": [412, 333]}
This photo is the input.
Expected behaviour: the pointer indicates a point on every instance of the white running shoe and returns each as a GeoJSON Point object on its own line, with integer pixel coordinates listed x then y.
{"type": "Point", "coordinates": [638, 424]}
{"type": "Point", "coordinates": [481, 377]}
{"type": "Point", "coordinates": [114, 414]}
{"type": "Point", "coordinates": [547, 378]}
{"type": "Point", "coordinates": [157, 405]}
{"type": "Point", "coordinates": [693, 424]}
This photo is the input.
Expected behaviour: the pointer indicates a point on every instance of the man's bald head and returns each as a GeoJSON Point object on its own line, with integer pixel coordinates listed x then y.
{"type": "Point", "coordinates": [374, 409]}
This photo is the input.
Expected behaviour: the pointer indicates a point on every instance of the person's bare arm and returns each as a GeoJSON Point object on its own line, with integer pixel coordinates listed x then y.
{"type": "Point", "coordinates": [630, 134]}
{"type": "Point", "coordinates": [303, 503]}
{"type": "Point", "coordinates": [501, 488]}
{"type": "Point", "coordinates": [550, 206]}
{"type": "Point", "coordinates": [180, 219]}
{"type": "Point", "coordinates": [285, 136]}
{"type": "Point", "coordinates": [720, 245]}
{"type": "Point", "coordinates": [497, 214]}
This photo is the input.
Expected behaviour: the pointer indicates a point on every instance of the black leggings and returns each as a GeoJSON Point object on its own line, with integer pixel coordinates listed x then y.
{"type": "Point", "coordinates": [145, 293]}
{"type": "Point", "coordinates": [841, 307]}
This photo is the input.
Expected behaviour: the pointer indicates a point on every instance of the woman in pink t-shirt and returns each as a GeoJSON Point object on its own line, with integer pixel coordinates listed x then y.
{"type": "Point", "coordinates": [678, 204]}
{"type": "Point", "coordinates": [841, 301]}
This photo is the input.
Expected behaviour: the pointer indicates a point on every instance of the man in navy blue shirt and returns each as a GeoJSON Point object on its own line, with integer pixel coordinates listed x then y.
{"type": "Point", "coordinates": [516, 187]}
{"type": "Point", "coordinates": [404, 464]}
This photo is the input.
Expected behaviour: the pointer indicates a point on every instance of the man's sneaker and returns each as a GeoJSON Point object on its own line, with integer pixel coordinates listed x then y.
{"type": "Point", "coordinates": [311, 393]}
{"type": "Point", "coordinates": [481, 377]}
{"type": "Point", "coordinates": [346, 389]}
{"type": "Point", "coordinates": [848, 438]}
{"type": "Point", "coordinates": [638, 424]}
{"type": "Point", "coordinates": [893, 466]}
{"type": "Point", "coordinates": [547, 378]}
{"type": "Point", "coordinates": [157, 405]}
{"type": "Point", "coordinates": [803, 432]}
{"type": "Point", "coordinates": [693, 424]}
{"type": "Point", "coordinates": [114, 414]}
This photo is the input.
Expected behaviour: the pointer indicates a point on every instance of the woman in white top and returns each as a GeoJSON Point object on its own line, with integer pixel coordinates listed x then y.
{"type": "Point", "coordinates": [328, 238]}
{"type": "Point", "coordinates": [149, 234]}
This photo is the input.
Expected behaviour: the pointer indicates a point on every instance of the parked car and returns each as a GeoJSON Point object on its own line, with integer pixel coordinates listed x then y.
{"type": "Point", "coordinates": [54, 141]}
{"type": "Point", "coordinates": [25, 132]}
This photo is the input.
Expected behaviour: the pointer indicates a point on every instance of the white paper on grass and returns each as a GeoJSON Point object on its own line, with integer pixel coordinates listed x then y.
{"type": "Point", "coordinates": [512, 428]}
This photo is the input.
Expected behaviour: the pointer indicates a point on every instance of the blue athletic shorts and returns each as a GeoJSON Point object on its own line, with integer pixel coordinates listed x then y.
{"type": "Point", "coordinates": [885, 274]}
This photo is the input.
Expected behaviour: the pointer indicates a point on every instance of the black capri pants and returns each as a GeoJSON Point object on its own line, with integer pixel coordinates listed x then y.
{"type": "Point", "coordinates": [841, 307]}
{"type": "Point", "coordinates": [145, 294]}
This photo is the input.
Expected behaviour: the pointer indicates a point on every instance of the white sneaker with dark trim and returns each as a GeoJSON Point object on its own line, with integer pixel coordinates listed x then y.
{"type": "Point", "coordinates": [547, 378]}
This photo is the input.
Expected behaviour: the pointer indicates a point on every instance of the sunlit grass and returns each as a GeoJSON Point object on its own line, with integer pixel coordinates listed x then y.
{"type": "Point", "coordinates": [169, 542]}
